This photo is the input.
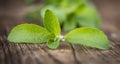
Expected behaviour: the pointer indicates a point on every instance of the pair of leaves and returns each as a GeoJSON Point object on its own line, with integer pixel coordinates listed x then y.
{"type": "Point", "coordinates": [31, 33]}
{"type": "Point", "coordinates": [51, 23]}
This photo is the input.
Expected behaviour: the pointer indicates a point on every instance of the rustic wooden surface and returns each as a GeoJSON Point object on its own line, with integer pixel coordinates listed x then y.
{"type": "Point", "coordinates": [66, 53]}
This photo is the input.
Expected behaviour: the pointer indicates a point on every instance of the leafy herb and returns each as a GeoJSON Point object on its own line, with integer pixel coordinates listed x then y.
{"type": "Point", "coordinates": [31, 33]}
{"type": "Point", "coordinates": [52, 25]}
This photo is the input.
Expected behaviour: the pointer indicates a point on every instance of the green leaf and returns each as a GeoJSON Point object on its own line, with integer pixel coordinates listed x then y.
{"type": "Point", "coordinates": [90, 37]}
{"type": "Point", "coordinates": [29, 33]}
{"type": "Point", "coordinates": [61, 14]}
{"type": "Point", "coordinates": [70, 5]}
{"type": "Point", "coordinates": [53, 43]}
{"type": "Point", "coordinates": [51, 23]}
{"type": "Point", "coordinates": [69, 25]}
{"type": "Point", "coordinates": [87, 16]}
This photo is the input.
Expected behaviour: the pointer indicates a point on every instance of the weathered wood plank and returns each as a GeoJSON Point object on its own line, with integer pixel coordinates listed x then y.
{"type": "Point", "coordinates": [63, 54]}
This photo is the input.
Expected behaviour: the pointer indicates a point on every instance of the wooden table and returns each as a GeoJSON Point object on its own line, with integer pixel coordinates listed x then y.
{"type": "Point", "coordinates": [66, 53]}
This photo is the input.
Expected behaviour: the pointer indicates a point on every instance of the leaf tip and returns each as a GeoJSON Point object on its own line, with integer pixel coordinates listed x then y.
{"type": "Point", "coordinates": [48, 11]}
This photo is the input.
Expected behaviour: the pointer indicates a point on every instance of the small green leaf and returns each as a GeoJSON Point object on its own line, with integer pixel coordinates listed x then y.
{"type": "Point", "coordinates": [29, 33]}
{"type": "Point", "coordinates": [70, 5]}
{"type": "Point", "coordinates": [87, 16]}
{"type": "Point", "coordinates": [61, 14]}
{"type": "Point", "coordinates": [90, 37]}
{"type": "Point", "coordinates": [53, 43]}
{"type": "Point", "coordinates": [51, 23]}
{"type": "Point", "coordinates": [69, 25]}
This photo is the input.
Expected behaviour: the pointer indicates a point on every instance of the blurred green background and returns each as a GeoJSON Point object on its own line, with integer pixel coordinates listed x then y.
{"type": "Point", "coordinates": [71, 14]}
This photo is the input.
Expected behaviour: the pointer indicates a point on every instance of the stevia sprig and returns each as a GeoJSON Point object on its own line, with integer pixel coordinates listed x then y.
{"type": "Point", "coordinates": [50, 34]}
